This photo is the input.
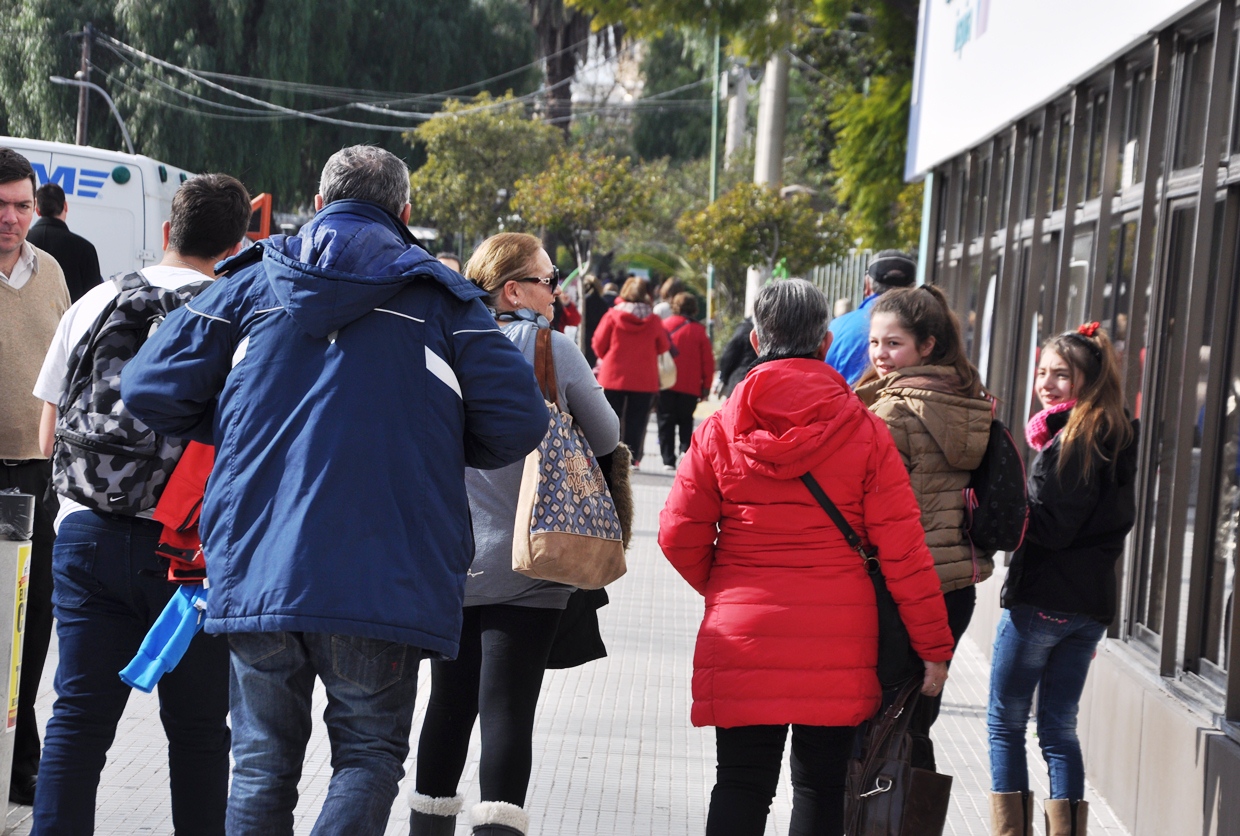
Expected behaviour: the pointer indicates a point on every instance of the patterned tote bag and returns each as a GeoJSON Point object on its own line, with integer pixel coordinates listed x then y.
{"type": "Point", "coordinates": [567, 529]}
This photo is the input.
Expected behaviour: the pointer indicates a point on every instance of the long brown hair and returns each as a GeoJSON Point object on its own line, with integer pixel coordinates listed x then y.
{"type": "Point", "coordinates": [1097, 427]}
{"type": "Point", "coordinates": [924, 312]}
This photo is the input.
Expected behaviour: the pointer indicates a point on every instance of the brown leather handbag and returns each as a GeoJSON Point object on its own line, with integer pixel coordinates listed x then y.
{"type": "Point", "coordinates": [885, 795]}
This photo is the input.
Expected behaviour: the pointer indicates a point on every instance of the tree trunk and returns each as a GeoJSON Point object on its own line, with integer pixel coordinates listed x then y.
{"type": "Point", "coordinates": [563, 43]}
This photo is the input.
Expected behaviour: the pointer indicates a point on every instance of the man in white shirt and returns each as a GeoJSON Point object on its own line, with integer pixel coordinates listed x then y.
{"type": "Point", "coordinates": [32, 298]}
{"type": "Point", "coordinates": [110, 586]}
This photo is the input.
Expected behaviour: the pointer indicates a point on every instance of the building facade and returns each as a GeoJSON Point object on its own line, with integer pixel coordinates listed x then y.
{"type": "Point", "coordinates": [1114, 195]}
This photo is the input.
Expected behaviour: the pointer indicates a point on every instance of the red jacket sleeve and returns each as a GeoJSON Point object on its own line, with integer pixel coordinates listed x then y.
{"type": "Point", "coordinates": [893, 525]}
{"type": "Point", "coordinates": [601, 340]}
{"type": "Point", "coordinates": [662, 342]}
{"type": "Point", "coordinates": [689, 522]}
{"type": "Point", "coordinates": [708, 361]}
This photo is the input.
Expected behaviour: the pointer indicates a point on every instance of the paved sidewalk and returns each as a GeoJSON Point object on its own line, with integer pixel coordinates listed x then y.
{"type": "Point", "coordinates": [615, 754]}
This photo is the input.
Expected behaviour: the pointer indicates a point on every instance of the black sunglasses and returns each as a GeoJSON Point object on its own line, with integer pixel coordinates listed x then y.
{"type": "Point", "coordinates": [552, 281]}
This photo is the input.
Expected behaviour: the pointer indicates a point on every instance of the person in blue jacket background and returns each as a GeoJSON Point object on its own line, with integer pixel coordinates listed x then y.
{"type": "Point", "coordinates": [346, 378]}
{"type": "Point", "coordinates": [850, 347]}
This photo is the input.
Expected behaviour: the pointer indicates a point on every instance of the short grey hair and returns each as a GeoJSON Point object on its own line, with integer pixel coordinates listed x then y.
{"type": "Point", "coordinates": [790, 318]}
{"type": "Point", "coordinates": [366, 172]}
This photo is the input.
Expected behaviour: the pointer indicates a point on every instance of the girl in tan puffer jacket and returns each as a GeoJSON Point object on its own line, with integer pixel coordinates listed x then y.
{"type": "Point", "coordinates": [923, 386]}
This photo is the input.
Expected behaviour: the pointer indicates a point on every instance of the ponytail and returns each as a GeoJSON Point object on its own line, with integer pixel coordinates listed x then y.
{"type": "Point", "coordinates": [1097, 427]}
{"type": "Point", "coordinates": [923, 311]}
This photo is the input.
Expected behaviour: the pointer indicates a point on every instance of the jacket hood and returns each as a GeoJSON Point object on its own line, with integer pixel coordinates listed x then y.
{"type": "Point", "coordinates": [788, 416]}
{"type": "Point", "coordinates": [350, 259]}
{"type": "Point", "coordinates": [960, 425]}
{"type": "Point", "coordinates": [626, 321]}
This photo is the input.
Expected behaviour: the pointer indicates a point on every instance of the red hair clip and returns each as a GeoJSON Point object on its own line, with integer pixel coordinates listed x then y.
{"type": "Point", "coordinates": [1088, 329]}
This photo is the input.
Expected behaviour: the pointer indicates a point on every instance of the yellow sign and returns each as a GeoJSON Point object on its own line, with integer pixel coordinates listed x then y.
{"type": "Point", "coordinates": [20, 595]}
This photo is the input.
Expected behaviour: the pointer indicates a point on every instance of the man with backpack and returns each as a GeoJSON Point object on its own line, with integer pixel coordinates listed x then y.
{"type": "Point", "coordinates": [109, 584]}
{"type": "Point", "coordinates": [347, 379]}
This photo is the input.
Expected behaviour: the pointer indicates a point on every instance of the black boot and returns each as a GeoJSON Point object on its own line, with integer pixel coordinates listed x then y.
{"type": "Point", "coordinates": [433, 816]}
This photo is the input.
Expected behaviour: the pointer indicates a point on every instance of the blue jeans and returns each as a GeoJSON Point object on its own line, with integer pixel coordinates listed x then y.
{"type": "Point", "coordinates": [1050, 651]}
{"type": "Point", "coordinates": [371, 686]}
{"type": "Point", "coordinates": [108, 591]}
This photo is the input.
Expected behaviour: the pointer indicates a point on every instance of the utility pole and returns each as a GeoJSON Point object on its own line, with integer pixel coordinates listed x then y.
{"type": "Point", "coordinates": [738, 115]}
{"type": "Point", "coordinates": [768, 163]}
{"type": "Point", "coordinates": [83, 74]}
{"type": "Point", "coordinates": [714, 184]}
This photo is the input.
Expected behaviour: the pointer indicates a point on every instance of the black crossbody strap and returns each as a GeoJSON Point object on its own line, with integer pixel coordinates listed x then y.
{"type": "Point", "coordinates": [854, 541]}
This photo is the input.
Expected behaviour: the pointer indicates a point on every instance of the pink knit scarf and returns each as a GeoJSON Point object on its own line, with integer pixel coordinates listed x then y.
{"type": "Point", "coordinates": [1037, 433]}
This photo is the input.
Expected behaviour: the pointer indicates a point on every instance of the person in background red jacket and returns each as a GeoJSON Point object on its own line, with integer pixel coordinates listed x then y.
{"type": "Point", "coordinates": [790, 632]}
{"type": "Point", "coordinates": [628, 342]}
{"type": "Point", "coordinates": [695, 368]}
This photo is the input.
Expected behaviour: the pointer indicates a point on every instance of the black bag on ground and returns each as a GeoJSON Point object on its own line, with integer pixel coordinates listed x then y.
{"type": "Point", "coordinates": [104, 457]}
{"type": "Point", "coordinates": [897, 663]}
{"type": "Point", "coordinates": [996, 504]}
{"type": "Point", "coordinates": [885, 795]}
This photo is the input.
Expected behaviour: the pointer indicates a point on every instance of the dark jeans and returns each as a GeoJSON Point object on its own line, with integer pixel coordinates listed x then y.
{"type": "Point", "coordinates": [109, 591]}
{"type": "Point", "coordinates": [960, 604]}
{"type": "Point", "coordinates": [675, 413]}
{"type": "Point", "coordinates": [34, 478]}
{"type": "Point", "coordinates": [633, 410]}
{"type": "Point", "coordinates": [748, 772]}
{"type": "Point", "coordinates": [496, 677]}
{"type": "Point", "coordinates": [371, 685]}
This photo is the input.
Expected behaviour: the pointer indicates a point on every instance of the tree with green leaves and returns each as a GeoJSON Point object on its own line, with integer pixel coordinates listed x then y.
{"type": "Point", "coordinates": [475, 153]}
{"type": "Point", "coordinates": [675, 123]}
{"type": "Point", "coordinates": [754, 28]}
{"type": "Point", "coordinates": [582, 194]}
{"type": "Point", "coordinates": [857, 124]}
{"type": "Point", "coordinates": [752, 226]}
{"type": "Point", "coordinates": [349, 45]}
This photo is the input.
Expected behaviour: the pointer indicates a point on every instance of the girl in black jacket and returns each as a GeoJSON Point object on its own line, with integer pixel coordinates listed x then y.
{"type": "Point", "coordinates": [1059, 595]}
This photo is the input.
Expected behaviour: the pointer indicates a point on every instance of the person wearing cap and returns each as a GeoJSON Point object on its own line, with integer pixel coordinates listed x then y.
{"type": "Point", "coordinates": [850, 348]}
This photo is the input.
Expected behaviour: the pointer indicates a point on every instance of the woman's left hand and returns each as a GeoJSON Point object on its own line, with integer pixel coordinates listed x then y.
{"type": "Point", "coordinates": [936, 676]}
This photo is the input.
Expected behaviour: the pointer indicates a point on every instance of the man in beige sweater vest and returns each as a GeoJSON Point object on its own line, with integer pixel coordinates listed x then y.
{"type": "Point", "coordinates": [33, 297]}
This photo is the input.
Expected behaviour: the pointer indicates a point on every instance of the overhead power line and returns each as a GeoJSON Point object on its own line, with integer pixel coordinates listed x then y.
{"type": "Point", "coordinates": [371, 101]}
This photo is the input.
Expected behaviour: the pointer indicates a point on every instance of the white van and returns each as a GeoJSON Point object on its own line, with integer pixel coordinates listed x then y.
{"type": "Point", "coordinates": [116, 201]}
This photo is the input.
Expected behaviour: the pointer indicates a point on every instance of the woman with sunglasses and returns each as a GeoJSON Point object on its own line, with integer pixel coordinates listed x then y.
{"type": "Point", "coordinates": [510, 620]}
{"type": "Point", "coordinates": [628, 342]}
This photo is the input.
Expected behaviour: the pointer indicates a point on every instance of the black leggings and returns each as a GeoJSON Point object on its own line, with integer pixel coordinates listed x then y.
{"type": "Point", "coordinates": [748, 773]}
{"type": "Point", "coordinates": [675, 412]}
{"type": "Point", "coordinates": [496, 676]}
{"type": "Point", "coordinates": [960, 604]}
{"type": "Point", "coordinates": [633, 410]}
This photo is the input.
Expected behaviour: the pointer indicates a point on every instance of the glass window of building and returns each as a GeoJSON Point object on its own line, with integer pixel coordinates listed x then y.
{"type": "Point", "coordinates": [1195, 66]}
{"type": "Point", "coordinates": [1136, 128]}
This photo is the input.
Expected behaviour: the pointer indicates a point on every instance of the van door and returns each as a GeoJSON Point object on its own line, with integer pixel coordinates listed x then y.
{"type": "Point", "coordinates": [105, 203]}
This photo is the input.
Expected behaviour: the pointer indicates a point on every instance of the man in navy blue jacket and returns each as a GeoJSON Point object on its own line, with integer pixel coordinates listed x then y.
{"type": "Point", "coordinates": [347, 378]}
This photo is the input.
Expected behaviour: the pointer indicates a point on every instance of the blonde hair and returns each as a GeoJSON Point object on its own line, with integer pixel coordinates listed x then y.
{"type": "Point", "coordinates": [1098, 427]}
{"type": "Point", "coordinates": [501, 259]}
{"type": "Point", "coordinates": [634, 290]}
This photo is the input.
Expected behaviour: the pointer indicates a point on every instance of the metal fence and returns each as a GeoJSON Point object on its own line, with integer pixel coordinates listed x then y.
{"type": "Point", "coordinates": [845, 279]}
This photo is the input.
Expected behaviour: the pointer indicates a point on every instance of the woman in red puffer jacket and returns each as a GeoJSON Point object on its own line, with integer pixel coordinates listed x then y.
{"type": "Point", "coordinates": [695, 368]}
{"type": "Point", "coordinates": [628, 342]}
{"type": "Point", "coordinates": [790, 632]}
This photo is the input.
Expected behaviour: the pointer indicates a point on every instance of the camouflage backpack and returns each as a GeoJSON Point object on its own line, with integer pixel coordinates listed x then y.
{"type": "Point", "coordinates": [104, 457]}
